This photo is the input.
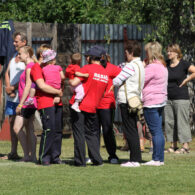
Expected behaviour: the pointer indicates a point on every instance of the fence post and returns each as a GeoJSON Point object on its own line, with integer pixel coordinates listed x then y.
{"type": "Point", "coordinates": [29, 33]}
{"type": "Point", "coordinates": [54, 40]}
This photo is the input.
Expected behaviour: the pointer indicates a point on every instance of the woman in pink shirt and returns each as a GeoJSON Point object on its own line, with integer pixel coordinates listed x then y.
{"type": "Point", "coordinates": [154, 99]}
{"type": "Point", "coordinates": [25, 113]}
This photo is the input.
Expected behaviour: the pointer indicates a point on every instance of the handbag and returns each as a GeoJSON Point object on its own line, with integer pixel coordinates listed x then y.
{"type": "Point", "coordinates": [134, 103]}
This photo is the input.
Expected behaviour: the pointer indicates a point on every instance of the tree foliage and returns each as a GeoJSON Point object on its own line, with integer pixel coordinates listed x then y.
{"type": "Point", "coordinates": [173, 20]}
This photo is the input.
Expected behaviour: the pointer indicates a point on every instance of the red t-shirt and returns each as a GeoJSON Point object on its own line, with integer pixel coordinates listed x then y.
{"type": "Point", "coordinates": [94, 87]}
{"type": "Point", "coordinates": [44, 100]}
{"type": "Point", "coordinates": [71, 69]}
{"type": "Point", "coordinates": [108, 101]}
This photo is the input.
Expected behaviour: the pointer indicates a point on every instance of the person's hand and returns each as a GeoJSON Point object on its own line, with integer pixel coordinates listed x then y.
{"type": "Point", "coordinates": [60, 94]}
{"type": "Point", "coordinates": [12, 95]}
{"type": "Point", "coordinates": [184, 82]}
{"type": "Point", "coordinates": [56, 100]}
{"type": "Point", "coordinates": [9, 90]}
{"type": "Point", "coordinates": [111, 89]}
{"type": "Point", "coordinates": [18, 109]}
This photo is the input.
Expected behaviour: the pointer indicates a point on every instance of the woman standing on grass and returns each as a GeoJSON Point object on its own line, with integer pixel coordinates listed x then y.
{"type": "Point", "coordinates": [50, 145]}
{"type": "Point", "coordinates": [25, 113]}
{"type": "Point", "coordinates": [177, 114]}
{"type": "Point", "coordinates": [154, 99]}
{"type": "Point", "coordinates": [131, 82]}
{"type": "Point", "coordinates": [83, 123]}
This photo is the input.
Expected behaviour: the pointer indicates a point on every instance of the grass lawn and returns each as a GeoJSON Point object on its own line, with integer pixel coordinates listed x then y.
{"type": "Point", "coordinates": [176, 177]}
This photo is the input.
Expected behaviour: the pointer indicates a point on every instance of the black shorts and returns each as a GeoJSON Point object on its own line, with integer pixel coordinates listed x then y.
{"type": "Point", "coordinates": [27, 112]}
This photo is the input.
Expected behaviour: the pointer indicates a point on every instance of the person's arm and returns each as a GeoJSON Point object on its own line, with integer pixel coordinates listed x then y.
{"type": "Point", "coordinates": [62, 75]}
{"type": "Point", "coordinates": [191, 69]}
{"type": "Point", "coordinates": [27, 87]}
{"type": "Point", "coordinates": [74, 82]}
{"type": "Point", "coordinates": [79, 74]}
{"type": "Point", "coordinates": [47, 88]}
{"type": "Point", "coordinates": [126, 72]}
{"type": "Point", "coordinates": [8, 88]}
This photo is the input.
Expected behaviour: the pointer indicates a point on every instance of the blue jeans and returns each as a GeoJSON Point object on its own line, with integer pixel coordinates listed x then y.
{"type": "Point", "coordinates": [153, 117]}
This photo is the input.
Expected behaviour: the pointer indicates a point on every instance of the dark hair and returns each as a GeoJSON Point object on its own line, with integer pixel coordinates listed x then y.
{"type": "Point", "coordinates": [134, 47]}
{"type": "Point", "coordinates": [102, 60]}
{"type": "Point", "coordinates": [76, 58]}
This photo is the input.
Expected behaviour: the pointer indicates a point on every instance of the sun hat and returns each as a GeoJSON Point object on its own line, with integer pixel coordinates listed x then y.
{"type": "Point", "coordinates": [48, 55]}
{"type": "Point", "coordinates": [97, 51]}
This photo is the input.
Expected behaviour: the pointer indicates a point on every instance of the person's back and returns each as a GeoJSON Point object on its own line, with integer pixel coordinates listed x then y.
{"type": "Point", "coordinates": [52, 76]}
{"type": "Point", "coordinates": [94, 86]}
{"type": "Point", "coordinates": [155, 87]}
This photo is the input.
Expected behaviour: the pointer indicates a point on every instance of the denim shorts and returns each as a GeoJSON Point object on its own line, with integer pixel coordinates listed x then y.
{"type": "Point", "coordinates": [10, 108]}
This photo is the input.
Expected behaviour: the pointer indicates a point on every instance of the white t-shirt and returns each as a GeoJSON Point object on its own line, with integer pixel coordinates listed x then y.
{"type": "Point", "coordinates": [15, 70]}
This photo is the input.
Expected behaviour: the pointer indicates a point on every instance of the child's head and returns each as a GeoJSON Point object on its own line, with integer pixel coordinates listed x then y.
{"type": "Point", "coordinates": [25, 53]}
{"type": "Point", "coordinates": [76, 58]}
{"type": "Point", "coordinates": [40, 50]}
{"type": "Point", "coordinates": [49, 56]}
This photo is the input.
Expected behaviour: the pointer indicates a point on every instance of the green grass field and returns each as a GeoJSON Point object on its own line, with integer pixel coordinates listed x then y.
{"type": "Point", "coordinates": [176, 177]}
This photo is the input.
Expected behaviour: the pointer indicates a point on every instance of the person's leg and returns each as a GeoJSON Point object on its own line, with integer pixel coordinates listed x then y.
{"type": "Point", "coordinates": [170, 125]}
{"type": "Point", "coordinates": [57, 144]}
{"type": "Point", "coordinates": [153, 118]}
{"type": "Point", "coordinates": [18, 125]}
{"type": "Point", "coordinates": [32, 139]}
{"type": "Point", "coordinates": [106, 120]}
{"type": "Point", "coordinates": [14, 138]}
{"type": "Point", "coordinates": [47, 137]}
{"type": "Point", "coordinates": [77, 120]}
{"type": "Point", "coordinates": [92, 138]}
{"type": "Point", "coordinates": [131, 133]}
{"type": "Point", "coordinates": [182, 108]}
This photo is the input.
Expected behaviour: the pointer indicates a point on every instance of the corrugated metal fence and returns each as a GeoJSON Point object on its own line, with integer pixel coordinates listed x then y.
{"type": "Point", "coordinates": [112, 38]}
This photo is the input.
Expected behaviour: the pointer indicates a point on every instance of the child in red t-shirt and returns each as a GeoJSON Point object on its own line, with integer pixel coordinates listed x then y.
{"type": "Point", "coordinates": [71, 71]}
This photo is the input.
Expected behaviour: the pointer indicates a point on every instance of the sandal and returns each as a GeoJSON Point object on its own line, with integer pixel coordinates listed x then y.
{"type": "Point", "coordinates": [171, 150]}
{"type": "Point", "coordinates": [182, 151]}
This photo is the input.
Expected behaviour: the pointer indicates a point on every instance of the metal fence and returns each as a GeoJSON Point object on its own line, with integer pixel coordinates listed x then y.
{"type": "Point", "coordinates": [112, 37]}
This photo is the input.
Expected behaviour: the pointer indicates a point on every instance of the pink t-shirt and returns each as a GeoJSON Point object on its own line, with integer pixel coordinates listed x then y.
{"type": "Point", "coordinates": [52, 76]}
{"type": "Point", "coordinates": [22, 84]}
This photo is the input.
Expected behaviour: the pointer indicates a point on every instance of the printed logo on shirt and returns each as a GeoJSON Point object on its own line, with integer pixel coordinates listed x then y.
{"type": "Point", "coordinates": [100, 77]}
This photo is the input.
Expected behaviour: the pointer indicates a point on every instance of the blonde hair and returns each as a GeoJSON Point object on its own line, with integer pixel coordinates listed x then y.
{"type": "Point", "coordinates": [41, 49]}
{"type": "Point", "coordinates": [175, 48]}
{"type": "Point", "coordinates": [29, 50]}
{"type": "Point", "coordinates": [154, 52]}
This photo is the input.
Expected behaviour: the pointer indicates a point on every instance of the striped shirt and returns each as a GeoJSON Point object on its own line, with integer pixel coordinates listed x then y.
{"type": "Point", "coordinates": [127, 71]}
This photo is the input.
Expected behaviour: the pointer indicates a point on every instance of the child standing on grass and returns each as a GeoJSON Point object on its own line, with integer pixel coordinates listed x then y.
{"type": "Point", "coordinates": [71, 71]}
{"type": "Point", "coordinates": [45, 76]}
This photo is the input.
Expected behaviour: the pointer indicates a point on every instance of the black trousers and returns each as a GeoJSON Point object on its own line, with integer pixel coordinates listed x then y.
{"type": "Point", "coordinates": [105, 119]}
{"type": "Point", "coordinates": [83, 125]}
{"type": "Point", "coordinates": [51, 138]}
{"type": "Point", "coordinates": [131, 133]}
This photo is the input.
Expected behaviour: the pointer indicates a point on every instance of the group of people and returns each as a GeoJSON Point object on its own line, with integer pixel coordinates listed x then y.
{"type": "Point", "coordinates": [37, 83]}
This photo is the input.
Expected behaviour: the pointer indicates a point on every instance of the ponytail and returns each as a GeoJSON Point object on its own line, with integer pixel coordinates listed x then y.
{"type": "Point", "coordinates": [103, 61]}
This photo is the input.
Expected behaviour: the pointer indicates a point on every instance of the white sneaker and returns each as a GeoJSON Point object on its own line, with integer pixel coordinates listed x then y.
{"type": "Point", "coordinates": [152, 163]}
{"type": "Point", "coordinates": [88, 160]}
{"type": "Point", "coordinates": [130, 164]}
{"type": "Point", "coordinates": [162, 163]}
{"type": "Point", "coordinates": [114, 161]}
{"type": "Point", "coordinates": [76, 108]}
